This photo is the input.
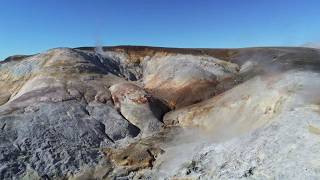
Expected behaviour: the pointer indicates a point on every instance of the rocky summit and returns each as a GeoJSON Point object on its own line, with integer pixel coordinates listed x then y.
{"type": "Point", "coordinates": [136, 112]}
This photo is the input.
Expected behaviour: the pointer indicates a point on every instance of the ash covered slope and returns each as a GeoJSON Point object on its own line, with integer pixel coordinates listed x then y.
{"type": "Point", "coordinates": [266, 128]}
{"type": "Point", "coordinates": [60, 109]}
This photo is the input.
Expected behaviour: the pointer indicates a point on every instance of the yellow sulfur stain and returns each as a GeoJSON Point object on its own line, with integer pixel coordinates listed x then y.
{"type": "Point", "coordinates": [314, 130]}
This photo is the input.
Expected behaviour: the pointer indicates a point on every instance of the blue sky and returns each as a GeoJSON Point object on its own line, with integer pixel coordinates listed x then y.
{"type": "Point", "coordinates": [31, 26]}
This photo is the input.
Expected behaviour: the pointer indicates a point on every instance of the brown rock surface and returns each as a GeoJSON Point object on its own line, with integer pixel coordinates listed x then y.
{"type": "Point", "coordinates": [227, 113]}
{"type": "Point", "coordinates": [58, 111]}
{"type": "Point", "coordinates": [134, 157]}
{"type": "Point", "coordinates": [182, 80]}
{"type": "Point", "coordinates": [138, 107]}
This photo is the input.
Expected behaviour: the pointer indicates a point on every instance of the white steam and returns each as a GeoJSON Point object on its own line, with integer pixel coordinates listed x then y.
{"type": "Point", "coordinates": [315, 45]}
{"type": "Point", "coordinates": [297, 88]}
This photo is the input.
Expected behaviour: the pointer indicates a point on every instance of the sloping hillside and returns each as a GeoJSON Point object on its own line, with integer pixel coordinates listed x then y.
{"type": "Point", "coordinates": [155, 113]}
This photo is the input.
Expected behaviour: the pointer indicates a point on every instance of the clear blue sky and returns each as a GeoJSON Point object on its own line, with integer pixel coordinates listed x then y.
{"type": "Point", "coordinates": [31, 26]}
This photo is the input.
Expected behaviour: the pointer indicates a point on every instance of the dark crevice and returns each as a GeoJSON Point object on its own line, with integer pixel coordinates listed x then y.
{"type": "Point", "coordinates": [3, 126]}
{"type": "Point", "coordinates": [133, 130]}
{"type": "Point", "coordinates": [158, 108]}
{"type": "Point", "coordinates": [249, 172]}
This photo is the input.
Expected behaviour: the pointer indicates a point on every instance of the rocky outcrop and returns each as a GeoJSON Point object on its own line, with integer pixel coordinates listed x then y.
{"type": "Point", "coordinates": [57, 113]}
{"type": "Point", "coordinates": [98, 113]}
{"type": "Point", "coordinates": [182, 80]}
{"type": "Point", "coordinates": [261, 97]}
{"type": "Point", "coordinates": [138, 107]}
{"type": "Point", "coordinates": [247, 132]}
{"type": "Point", "coordinates": [134, 157]}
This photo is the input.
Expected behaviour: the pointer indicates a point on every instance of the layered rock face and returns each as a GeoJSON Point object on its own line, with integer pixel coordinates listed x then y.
{"type": "Point", "coordinates": [160, 113]}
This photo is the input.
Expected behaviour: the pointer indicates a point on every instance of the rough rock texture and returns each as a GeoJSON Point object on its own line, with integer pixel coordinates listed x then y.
{"type": "Point", "coordinates": [235, 113]}
{"type": "Point", "coordinates": [134, 157]}
{"type": "Point", "coordinates": [186, 79]}
{"type": "Point", "coordinates": [58, 115]}
{"type": "Point", "coordinates": [260, 97]}
{"type": "Point", "coordinates": [255, 138]}
{"type": "Point", "coordinates": [138, 107]}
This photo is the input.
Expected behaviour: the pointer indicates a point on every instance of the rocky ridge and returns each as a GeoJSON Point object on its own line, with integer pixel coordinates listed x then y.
{"type": "Point", "coordinates": [127, 112]}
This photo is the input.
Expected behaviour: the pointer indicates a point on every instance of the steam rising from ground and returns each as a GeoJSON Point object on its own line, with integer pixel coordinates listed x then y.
{"type": "Point", "coordinates": [181, 151]}
{"type": "Point", "coordinates": [312, 45]}
{"type": "Point", "coordinates": [242, 111]}
{"type": "Point", "coordinates": [242, 117]}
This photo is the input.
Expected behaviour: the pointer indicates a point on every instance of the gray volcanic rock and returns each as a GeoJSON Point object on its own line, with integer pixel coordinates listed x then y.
{"type": "Point", "coordinates": [75, 113]}
{"type": "Point", "coordinates": [138, 107]}
{"type": "Point", "coordinates": [58, 115]}
{"type": "Point", "coordinates": [56, 138]}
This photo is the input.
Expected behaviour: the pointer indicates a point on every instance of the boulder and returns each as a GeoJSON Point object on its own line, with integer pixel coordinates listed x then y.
{"type": "Point", "coordinates": [138, 107]}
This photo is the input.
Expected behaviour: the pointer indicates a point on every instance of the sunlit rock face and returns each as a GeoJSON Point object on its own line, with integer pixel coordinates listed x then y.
{"type": "Point", "coordinates": [160, 113]}
{"type": "Point", "coordinates": [251, 104]}
{"type": "Point", "coordinates": [138, 107]}
{"type": "Point", "coordinates": [186, 79]}
{"type": "Point", "coordinates": [257, 137]}
{"type": "Point", "coordinates": [59, 113]}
